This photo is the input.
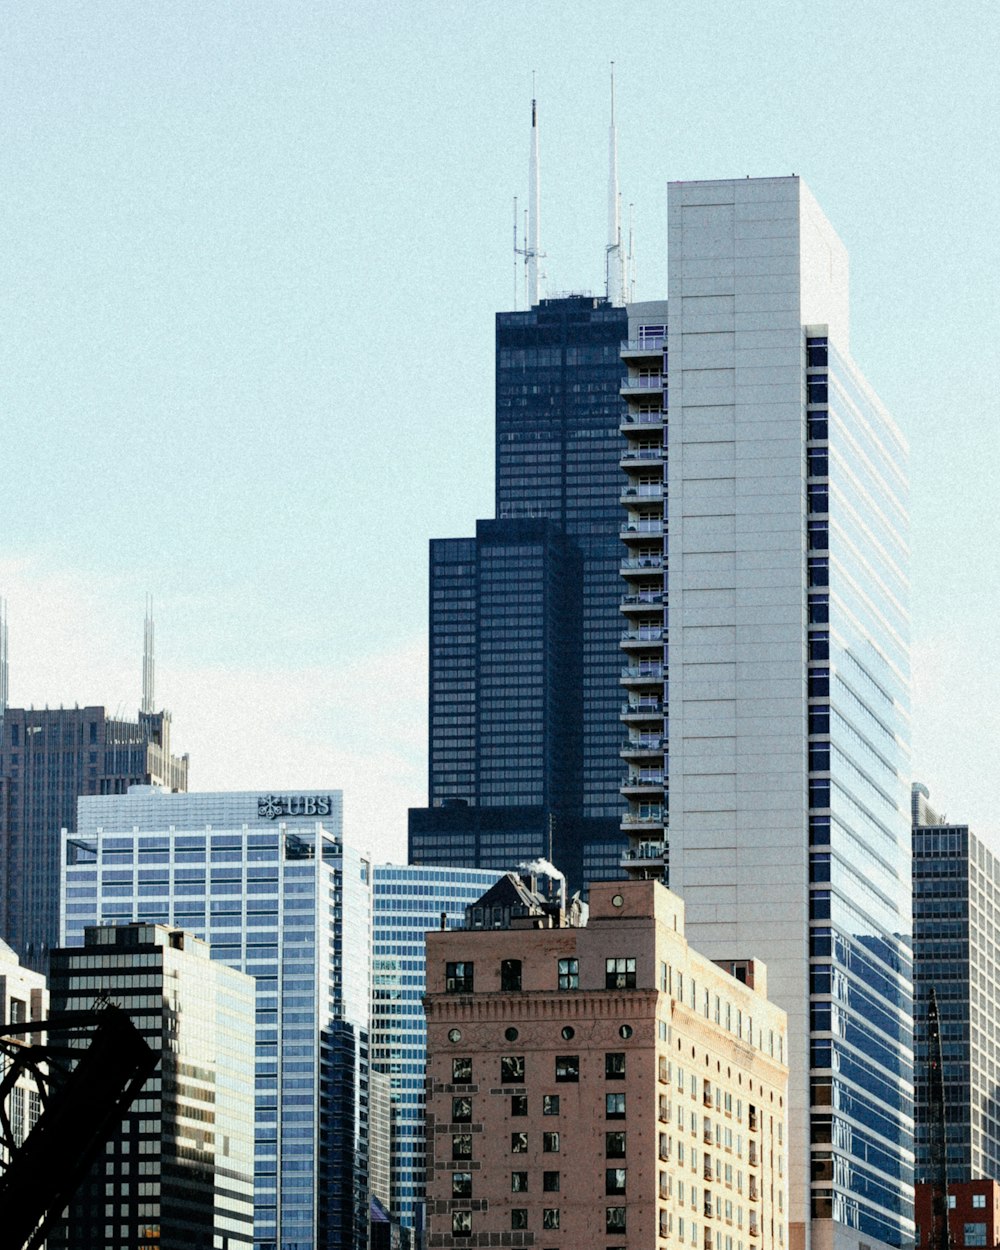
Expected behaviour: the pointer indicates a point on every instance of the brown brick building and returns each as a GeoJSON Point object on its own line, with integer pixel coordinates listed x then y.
{"type": "Point", "coordinates": [600, 1084]}
{"type": "Point", "coordinates": [973, 1215]}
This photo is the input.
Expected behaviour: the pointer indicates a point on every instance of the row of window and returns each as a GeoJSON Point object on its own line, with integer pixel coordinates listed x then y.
{"type": "Point", "coordinates": [461, 1221]}
{"type": "Point", "coordinates": [619, 974]}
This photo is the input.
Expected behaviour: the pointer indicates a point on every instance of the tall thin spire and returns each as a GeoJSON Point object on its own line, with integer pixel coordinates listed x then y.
{"type": "Point", "coordinates": [614, 254]}
{"type": "Point", "coordinates": [148, 662]}
{"type": "Point", "coordinates": [532, 252]}
{"type": "Point", "coordinates": [4, 675]}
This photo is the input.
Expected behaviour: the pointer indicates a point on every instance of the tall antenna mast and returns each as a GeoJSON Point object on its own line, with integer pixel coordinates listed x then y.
{"type": "Point", "coordinates": [148, 663]}
{"type": "Point", "coordinates": [614, 256]}
{"type": "Point", "coordinates": [631, 257]}
{"type": "Point", "coordinates": [4, 675]}
{"type": "Point", "coordinates": [534, 205]}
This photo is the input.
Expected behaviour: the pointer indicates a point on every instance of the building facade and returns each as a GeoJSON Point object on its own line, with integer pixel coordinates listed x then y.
{"type": "Point", "coordinates": [524, 619]}
{"type": "Point", "coordinates": [407, 902]}
{"type": "Point", "coordinates": [270, 881]}
{"type": "Point", "coordinates": [787, 772]}
{"type": "Point", "coordinates": [600, 1083]}
{"type": "Point", "coordinates": [956, 897]}
{"type": "Point", "coordinates": [179, 1173]}
{"type": "Point", "coordinates": [973, 1215]}
{"type": "Point", "coordinates": [48, 759]}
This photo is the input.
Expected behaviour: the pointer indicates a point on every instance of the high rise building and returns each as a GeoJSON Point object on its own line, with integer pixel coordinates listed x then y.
{"type": "Point", "coordinates": [407, 902]}
{"type": "Point", "coordinates": [525, 622]}
{"type": "Point", "coordinates": [48, 759]}
{"type": "Point", "coordinates": [271, 882]}
{"type": "Point", "coordinates": [973, 1215]}
{"type": "Point", "coordinates": [956, 896]}
{"type": "Point", "coordinates": [601, 1083]}
{"type": "Point", "coordinates": [179, 1172]}
{"type": "Point", "coordinates": [786, 796]}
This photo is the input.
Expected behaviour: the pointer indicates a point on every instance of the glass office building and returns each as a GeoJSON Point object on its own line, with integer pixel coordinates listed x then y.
{"type": "Point", "coordinates": [956, 894]}
{"type": "Point", "coordinates": [524, 619]}
{"type": "Point", "coordinates": [179, 1172]}
{"type": "Point", "coordinates": [407, 903]}
{"type": "Point", "coordinates": [269, 880]}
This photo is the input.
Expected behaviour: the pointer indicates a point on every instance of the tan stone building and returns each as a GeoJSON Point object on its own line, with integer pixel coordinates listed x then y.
{"type": "Point", "coordinates": [598, 1083]}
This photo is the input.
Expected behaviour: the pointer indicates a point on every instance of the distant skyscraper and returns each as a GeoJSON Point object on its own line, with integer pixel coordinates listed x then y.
{"type": "Point", "coordinates": [269, 880]}
{"type": "Point", "coordinates": [525, 622]}
{"type": "Point", "coordinates": [408, 901]}
{"type": "Point", "coordinates": [180, 1170]}
{"type": "Point", "coordinates": [956, 900]}
{"type": "Point", "coordinates": [787, 705]}
{"type": "Point", "coordinates": [48, 759]}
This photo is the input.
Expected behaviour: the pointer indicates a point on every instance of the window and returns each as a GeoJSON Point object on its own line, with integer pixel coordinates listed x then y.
{"type": "Point", "coordinates": [819, 498]}
{"type": "Point", "coordinates": [458, 978]}
{"type": "Point", "coordinates": [461, 1222]}
{"type": "Point", "coordinates": [510, 974]}
{"type": "Point", "coordinates": [519, 1217]}
{"type": "Point", "coordinates": [614, 1180]}
{"type": "Point", "coordinates": [975, 1235]}
{"type": "Point", "coordinates": [550, 1182]}
{"type": "Point", "coordinates": [819, 571]}
{"type": "Point", "coordinates": [461, 1146]}
{"type": "Point", "coordinates": [461, 1110]}
{"type": "Point", "coordinates": [519, 1143]}
{"type": "Point", "coordinates": [818, 461]}
{"type": "Point", "coordinates": [817, 352]}
{"type": "Point", "coordinates": [819, 609]}
{"type": "Point", "coordinates": [550, 1217]}
{"type": "Point", "coordinates": [461, 1071]}
{"type": "Point", "coordinates": [819, 644]}
{"type": "Point", "coordinates": [816, 387]}
{"type": "Point", "coordinates": [614, 1220]}
{"type": "Point", "coordinates": [614, 1145]}
{"type": "Point", "coordinates": [614, 1106]}
{"type": "Point", "coordinates": [512, 1069]}
{"type": "Point", "coordinates": [619, 974]}
{"type": "Point", "coordinates": [567, 1067]}
{"type": "Point", "coordinates": [519, 1182]}
{"type": "Point", "coordinates": [461, 1184]}
{"type": "Point", "coordinates": [819, 535]}
{"type": "Point", "coordinates": [569, 974]}
{"type": "Point", "coordinates": [819, 683]}
{"type": "Point", "coordinates": [550, 1104]}
{"type": "Point", "coordinates": [951, 1202]}
{"type": "Point", "coordinates": [519, 1104]}
{"type": "Point", "coordinates": [614, 1066]}
{"type": "Point", "coordinates": [979, 1200]}
{"type": "Point", "coordinates": [550, 1143]}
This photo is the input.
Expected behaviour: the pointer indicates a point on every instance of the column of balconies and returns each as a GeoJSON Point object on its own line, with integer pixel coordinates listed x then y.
{"type": "Point", "coordinates": [643, 603]}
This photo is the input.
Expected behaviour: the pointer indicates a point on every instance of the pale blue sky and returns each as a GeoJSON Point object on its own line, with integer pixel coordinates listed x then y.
{"type": "Point", "coordinates": [251, 256]}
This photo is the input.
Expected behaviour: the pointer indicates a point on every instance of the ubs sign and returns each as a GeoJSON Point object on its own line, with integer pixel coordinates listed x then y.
{"type": "Point", "coordinates": [273, 806]}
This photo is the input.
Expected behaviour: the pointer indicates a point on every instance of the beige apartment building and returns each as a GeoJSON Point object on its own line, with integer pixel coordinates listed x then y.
{"type": "Point", "coordinates": [594, 1082]}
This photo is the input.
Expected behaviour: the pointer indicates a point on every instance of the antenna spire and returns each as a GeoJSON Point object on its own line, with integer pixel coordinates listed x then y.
{"type": "Point", "coordinates": [148, 662]}
{"type": "Point", "coordinates": [532, 252]}
{"type": "Point", "coordinates": [614, 256]}
{"type": "Point", "coordinates": [4, 675]}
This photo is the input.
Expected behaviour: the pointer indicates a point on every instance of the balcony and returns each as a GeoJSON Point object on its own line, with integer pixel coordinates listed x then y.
{"type": "Point", "coordinates": [646, 858]}
{"type": "Point", "coordinates": [633, 422]}
{"type": "Point", "coordinates": [633, 748]}
{"type": "Point", "coordinates": [753, 1157]}
{"type": "Point", "coordinates": [640, 529]}
{"type": "Point", "coordinates": [644, 495]}
{"type": "Point", "coordinates": [636, 784]}
{"type": "Point", "coordinates": [647, 346]}
{"type": "Point", "coordinates": [642, 601]}
{"type": "Point", "coordinates": [642, 456]}
{"type": "Point", "coordinates": [644, 638]}
{"type": "Point", "coordinates": [639, 384]}
{"type": "Point", "coordinates": [753, 1192]}
{"type": "Point", "coordinates": [644, 709]}
{"type": "Point", "coordinates": [639, 675]}
{"type": "Point", "coordinates": [641, 566]}
{"type": "Point", "coordinates": [633, 823]}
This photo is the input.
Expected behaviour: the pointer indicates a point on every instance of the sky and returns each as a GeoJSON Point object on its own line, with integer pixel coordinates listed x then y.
{"type": "Point", "coordinates": [251, 256]}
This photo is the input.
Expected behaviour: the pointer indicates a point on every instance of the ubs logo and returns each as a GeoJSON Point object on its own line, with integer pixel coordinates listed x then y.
{"type": "Point", "coordinates": [271, 806]}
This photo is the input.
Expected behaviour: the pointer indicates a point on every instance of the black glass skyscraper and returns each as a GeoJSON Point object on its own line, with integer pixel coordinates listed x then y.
{"type": "Point", "coordinates": [524, 618]}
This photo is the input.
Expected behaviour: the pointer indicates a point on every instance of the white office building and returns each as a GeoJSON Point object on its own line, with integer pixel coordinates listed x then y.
{"type": "Point", "coordinates": [767, 763]}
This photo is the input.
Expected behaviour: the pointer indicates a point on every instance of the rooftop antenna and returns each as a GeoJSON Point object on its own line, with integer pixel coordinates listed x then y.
{"type": "Point", "coordinates": [4, 675]}
{"type": "Point", "coordinates": [529, 249]}
{"type": "Point", "coordinates": [614, 256]}
{"type": "Point", "coordinates": [148, 663]}
{"type": "Point", "coordinates": [631, 257]}
{"type": "Point", "coordinates": [532, 252]}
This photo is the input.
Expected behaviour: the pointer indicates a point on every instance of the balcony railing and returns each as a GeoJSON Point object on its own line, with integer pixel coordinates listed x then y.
{"type": "Point", "coordinates": [643, 418]}
{"type": "Point", "coordinates": [649, 707]}
{"type": "Point", "coordinates": [650, 526]}
{"type": "Point", "coordinates": [642, 672]}
{"type": "Point", "coordinates": [643, 746]}
{"type": "Point", "coordinates": [645, 633]}
{"type": "Point", "coordinates": [642, 564]}
{"type": "Point", "coordinates": [644, 382]}
{"type": "Point", "coordinates": [647, 851]}
{"type": "Point", "coordinates": [646, 454]}
{"type": "Point", "coordinates": [652, 344]}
